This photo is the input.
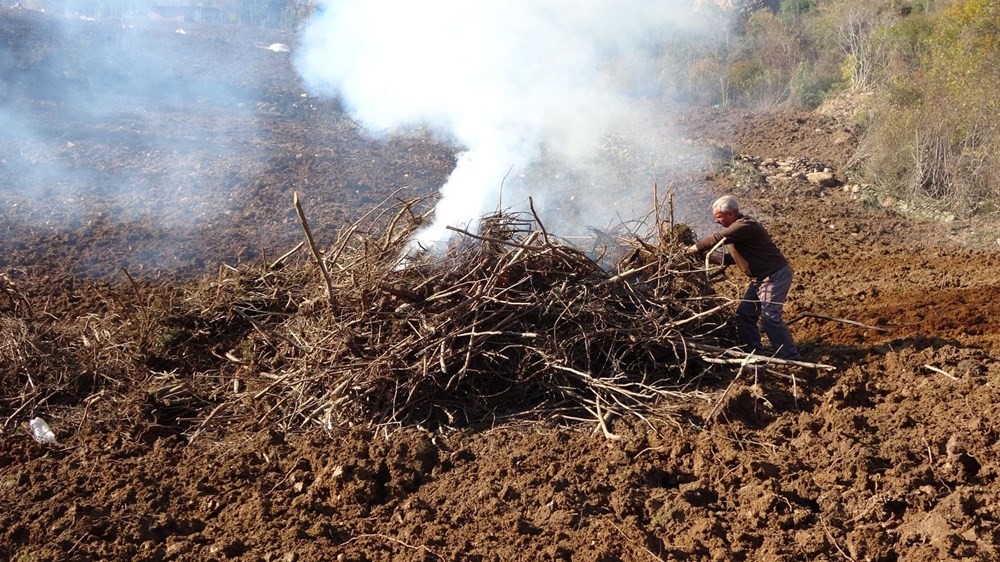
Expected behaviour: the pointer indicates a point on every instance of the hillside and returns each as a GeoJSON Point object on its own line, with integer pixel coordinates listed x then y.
{"type": "Point", "coordinates": [892, 455]}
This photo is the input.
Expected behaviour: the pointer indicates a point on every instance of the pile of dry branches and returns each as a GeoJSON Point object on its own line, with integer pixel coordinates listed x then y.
{"type": "Point", "coordinates": [505, 321]}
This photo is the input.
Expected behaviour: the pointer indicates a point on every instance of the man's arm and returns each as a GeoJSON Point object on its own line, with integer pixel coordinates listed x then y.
{"type": "Point", "coordinates": [706, 243]}
{"type": "Point", "coordinates": [715, 258]}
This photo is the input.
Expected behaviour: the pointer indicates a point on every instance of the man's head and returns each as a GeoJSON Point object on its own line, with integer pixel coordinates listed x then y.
{"type": "Point", "coordinates": [726, 210]}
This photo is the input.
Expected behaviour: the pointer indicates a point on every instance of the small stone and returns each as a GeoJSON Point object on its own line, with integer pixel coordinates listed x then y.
{"type": "Point", "coordinates": [823, 179]}
{"type": "Point", "coordinates": [954, 446]}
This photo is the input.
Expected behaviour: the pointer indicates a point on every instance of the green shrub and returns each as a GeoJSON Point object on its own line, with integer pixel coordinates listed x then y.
{"type": "Point", "coordinates": [935, 133]}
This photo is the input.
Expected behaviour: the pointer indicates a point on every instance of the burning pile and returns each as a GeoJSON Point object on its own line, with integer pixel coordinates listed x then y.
{"type": "Point", "coordinates": [506, 321]}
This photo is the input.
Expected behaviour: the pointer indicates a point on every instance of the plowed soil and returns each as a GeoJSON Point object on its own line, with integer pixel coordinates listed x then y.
{"type": "Point", "coordinates": [894, 455]}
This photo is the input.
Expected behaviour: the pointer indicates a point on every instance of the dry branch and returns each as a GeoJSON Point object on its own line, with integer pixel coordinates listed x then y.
{"type": "Point", "coordinates": [941, 372]}
{"type": "Point", "coordinates": [735, 357]}
{"type": "Point", "coordinates": [312, 246]}
{"type": "Point", "coordinates": [841, 320]}
{"type": "Point", "coordinates": [280, 262]}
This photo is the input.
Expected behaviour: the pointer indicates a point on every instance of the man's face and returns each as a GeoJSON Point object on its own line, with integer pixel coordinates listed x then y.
{"type": "Point", "coordinates": [724, 218]}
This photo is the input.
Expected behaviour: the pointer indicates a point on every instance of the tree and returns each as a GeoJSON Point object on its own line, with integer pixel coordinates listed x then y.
{"type": "Point", "coordinates": [859, 28]}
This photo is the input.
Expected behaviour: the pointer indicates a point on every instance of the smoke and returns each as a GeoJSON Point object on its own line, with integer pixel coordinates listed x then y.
{"type": "Point", "coordinates": [558, 100]}
{"type": "Point", "coordinates": [97, 120]}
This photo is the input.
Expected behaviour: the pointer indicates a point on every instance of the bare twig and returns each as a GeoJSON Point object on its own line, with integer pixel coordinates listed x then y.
{"type": "Point", "coordinates": [602, 420]}
{"type": "Point", "coordinates": [829, 535]}
{"type": "Point", "coordinates": [204, 423]}
{"type": "Point", "coordinates": [487, 239]}
{"type": "Point", "coordinates": [538, 220]}
{"type": "Point", "coordinates": [841, 320]}
{"type": "Point", "coordinates": [131, 281]}
{"type": "Point", "coordinates": [16, 296]}
{"type": "Point", "coordinates": [941, 372]}
{"type": "Point", "coordinates": [281, 260]}
{"type": "Point", "coordinates": [732, 356]}
{"type": "Point", "coordinates": [394, 540]}
{"type": "Point", "coordinates": [312, 246]}
{"type": "Point", "coordinates": [708, 257]}
{"type": "Point", "coordinates": [732, 383]}
{"type": "Point", "coordinates": [629, 273]}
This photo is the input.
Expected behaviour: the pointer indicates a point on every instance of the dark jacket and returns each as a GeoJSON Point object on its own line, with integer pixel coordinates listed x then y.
{"type": "Point", "coordinates": [751, 244]}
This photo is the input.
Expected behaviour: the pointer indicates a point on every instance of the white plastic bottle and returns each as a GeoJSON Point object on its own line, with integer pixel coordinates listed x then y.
{"type": "Point", "coordinates": [42, 432]}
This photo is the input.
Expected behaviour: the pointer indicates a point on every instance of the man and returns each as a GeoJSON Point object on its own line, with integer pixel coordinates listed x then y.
{"type": "Point", "coordinates": [753, 251]}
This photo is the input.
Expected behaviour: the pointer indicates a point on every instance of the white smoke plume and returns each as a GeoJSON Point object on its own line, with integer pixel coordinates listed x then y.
{"type": "Point", "coordinates": [553, 99]}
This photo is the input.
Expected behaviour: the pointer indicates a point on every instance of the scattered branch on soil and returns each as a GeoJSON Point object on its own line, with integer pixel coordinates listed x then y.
{"type": "Point", "coordinates": [841, 320]}
{"type": "Point", "coordinates": [735, 357]}
{"type": "Point", "coordinates": [725, 393]}
{"type": "Point", "coordinates": [941, 372]}
{"type": "Point", "coordinates": [387, 538]}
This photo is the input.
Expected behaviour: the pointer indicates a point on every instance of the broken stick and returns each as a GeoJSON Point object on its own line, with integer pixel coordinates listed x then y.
{"type": "Point", "coordinates": [841, 320]}
{"type": "Point", "coordinates": [312, 246]}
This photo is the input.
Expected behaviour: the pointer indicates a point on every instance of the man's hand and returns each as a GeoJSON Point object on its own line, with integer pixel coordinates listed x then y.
{"type": "Point", "coordinates": [692, 249]}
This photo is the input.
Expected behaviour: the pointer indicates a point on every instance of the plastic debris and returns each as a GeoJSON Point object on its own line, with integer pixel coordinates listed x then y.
{"type": "Point", "coordinates": [42, 432]}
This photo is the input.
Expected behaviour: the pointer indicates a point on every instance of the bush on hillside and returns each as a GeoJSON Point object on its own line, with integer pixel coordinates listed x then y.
{"type": "Point", "coordinates": [935, 133]}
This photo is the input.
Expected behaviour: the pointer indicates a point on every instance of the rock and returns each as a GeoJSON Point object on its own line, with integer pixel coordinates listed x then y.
{"type": "Point", "coordinates": [842, 137]}
{"type": "Point", "coordinates": [823, 179]}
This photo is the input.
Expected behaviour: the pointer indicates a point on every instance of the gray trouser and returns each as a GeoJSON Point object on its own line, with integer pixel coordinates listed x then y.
{"type": "Point", "coordinates": [763, 301]}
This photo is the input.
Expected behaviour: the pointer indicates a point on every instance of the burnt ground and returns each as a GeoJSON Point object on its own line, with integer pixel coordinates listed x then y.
{"type": "Point", "coordinates": [892, 456]}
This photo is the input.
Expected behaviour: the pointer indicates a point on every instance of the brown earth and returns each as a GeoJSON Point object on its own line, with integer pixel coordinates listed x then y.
{"type": "Point", "coordinates": [892, 456]}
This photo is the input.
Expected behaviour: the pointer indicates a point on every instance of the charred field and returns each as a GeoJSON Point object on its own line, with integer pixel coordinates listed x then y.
{"type": "Point", "coordinates": [214, 398]}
